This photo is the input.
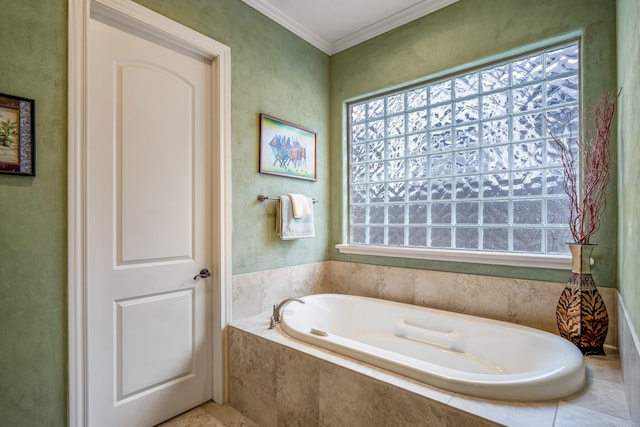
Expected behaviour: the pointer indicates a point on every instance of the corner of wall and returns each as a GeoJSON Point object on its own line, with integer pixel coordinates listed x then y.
{"type": "Point", "coordinates": [629, 350]}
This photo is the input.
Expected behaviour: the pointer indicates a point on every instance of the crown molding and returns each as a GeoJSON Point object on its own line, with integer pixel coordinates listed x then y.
{"type": "Point", "coordinates": [297, 28]}
{"type": "Point", "coordinates": [403, 17]}
{"type": "Point", "coordinates": [394, 21]}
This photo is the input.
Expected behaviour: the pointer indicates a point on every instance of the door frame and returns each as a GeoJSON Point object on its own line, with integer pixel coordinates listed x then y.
{"type": "Point", "coordinates": [128, 14]}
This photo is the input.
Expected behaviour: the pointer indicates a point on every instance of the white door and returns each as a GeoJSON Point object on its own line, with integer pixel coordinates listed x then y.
{"type": "Point", "coordinates": [148, 229]}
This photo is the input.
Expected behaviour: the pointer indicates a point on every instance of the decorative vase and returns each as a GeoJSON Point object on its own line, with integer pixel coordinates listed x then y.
{"type": "Point", "coordinates": [581, 314]}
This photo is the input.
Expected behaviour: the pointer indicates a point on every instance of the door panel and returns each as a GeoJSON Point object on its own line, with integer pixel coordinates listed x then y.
{"type": "Point", "coordinates": [152, 357]}
{"type": "Point", "coordinates": [156, 161]}
{"type": "Point", "coordinates": [148, 229]}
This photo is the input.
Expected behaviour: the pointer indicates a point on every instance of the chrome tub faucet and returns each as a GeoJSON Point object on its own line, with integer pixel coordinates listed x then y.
{"type": "Point", "coordinates": [277, 308]}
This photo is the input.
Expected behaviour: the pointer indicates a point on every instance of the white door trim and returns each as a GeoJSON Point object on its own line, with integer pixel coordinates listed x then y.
{"type": "Point", "coordinates": [128, 13]}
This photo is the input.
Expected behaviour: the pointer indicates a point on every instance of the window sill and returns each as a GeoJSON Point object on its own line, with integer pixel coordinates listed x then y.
{"type": "Point", "coordinates": [559, 262]}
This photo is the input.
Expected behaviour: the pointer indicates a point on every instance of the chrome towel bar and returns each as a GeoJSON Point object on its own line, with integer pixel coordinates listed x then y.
{"type": "Point", "coordinates": [262, 198]}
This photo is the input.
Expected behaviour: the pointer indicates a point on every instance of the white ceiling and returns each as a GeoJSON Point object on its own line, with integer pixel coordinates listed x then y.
{"type": "Point", "coordinates": [336, 25]}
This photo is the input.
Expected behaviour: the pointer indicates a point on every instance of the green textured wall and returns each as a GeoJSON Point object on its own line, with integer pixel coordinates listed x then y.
{"type": "Point", "coordinates": [273, 71]}
{"type": "Point", "coordinates": [33, 354]}
{"type": "Point", "coordinates": [464, 33]}
{"type": "Point", "coordinates": [628, 27]}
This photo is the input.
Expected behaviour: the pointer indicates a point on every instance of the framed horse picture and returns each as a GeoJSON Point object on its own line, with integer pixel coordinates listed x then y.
{"type": "Point", "coordinates": [287, 149]}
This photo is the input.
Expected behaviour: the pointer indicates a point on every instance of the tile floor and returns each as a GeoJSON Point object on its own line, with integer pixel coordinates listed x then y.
{"type": "Point", "coordinates": [210, 414]}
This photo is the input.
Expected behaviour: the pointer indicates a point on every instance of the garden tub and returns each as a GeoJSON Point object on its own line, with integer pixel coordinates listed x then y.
{"type": "Point", "coordinates": [457, 352]}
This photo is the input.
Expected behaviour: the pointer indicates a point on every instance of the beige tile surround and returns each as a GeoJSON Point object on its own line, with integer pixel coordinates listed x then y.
{"type": "Point", "coordinates": [265, 366]}
{"type": "Point", "coordinates": [526, 302]}
{"type": "Point", "coordinates": [276, 380]}
{"type": "Point", "coordinates": [276, 384]}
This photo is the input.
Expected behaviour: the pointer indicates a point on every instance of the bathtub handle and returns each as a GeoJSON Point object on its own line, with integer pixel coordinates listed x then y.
{"type": "Point", "coordinates": [452, 340]}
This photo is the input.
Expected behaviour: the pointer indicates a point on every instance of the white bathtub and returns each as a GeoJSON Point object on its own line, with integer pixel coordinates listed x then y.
{"type": "Point", "coordinates": [460, 353]}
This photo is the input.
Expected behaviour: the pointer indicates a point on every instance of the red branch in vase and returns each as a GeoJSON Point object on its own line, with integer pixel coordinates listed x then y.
{"type": "Point", "coordinates": [588, 197]}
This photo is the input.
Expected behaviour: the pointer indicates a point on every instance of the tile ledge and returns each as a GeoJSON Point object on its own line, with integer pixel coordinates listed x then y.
{"type": "Point", "coordinates": [491, 410]}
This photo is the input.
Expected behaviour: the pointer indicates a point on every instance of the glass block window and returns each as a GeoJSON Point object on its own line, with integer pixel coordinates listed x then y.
{"type": "Point", "coordinates": [466, 162]}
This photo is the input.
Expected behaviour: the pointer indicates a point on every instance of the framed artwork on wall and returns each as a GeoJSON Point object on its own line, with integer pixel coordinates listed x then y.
{"type": "Point", "coordinates": [287, 149]}
{"type": "Point", "coordinates": [17, 135]}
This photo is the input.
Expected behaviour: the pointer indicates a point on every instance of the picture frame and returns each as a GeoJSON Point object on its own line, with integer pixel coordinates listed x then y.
{"type": "Point", "coordinates": [17, 135]}
{"type": "Point", "coordinates": [287, 150]}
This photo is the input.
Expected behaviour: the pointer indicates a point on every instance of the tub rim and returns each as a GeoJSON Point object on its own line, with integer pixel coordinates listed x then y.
{"type": "Point", "coordinates": [536, 385]}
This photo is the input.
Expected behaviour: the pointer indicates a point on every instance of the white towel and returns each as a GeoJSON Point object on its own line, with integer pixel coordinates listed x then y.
{"type": "Point", "coordinates": [288, 227]}
{"type": "Point", "coordinates": [300, 205]}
